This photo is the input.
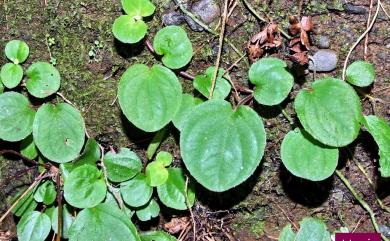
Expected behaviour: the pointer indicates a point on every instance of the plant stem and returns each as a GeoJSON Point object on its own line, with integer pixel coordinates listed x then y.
{"type": "Point", "coordinates": [59, 207]}
{"type": "Point", "coordinates": [286, 115]}
{"type": "Point", "coordinates": [243, 101]}
{"type": "Point", "coordinates": [155, 143]}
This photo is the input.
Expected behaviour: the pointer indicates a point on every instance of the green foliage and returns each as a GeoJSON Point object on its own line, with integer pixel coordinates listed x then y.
{"type": "Point", "coordinates": [43, 79]}
{"type": "Point", "coordinates": [311, 229]}
{"type": "Point", "coordinates": [202, 83]}
{"type": "Point", "coordinates": [25, 205]}
{"type": "Point", "coordinates": [149, 211]}
{"type": "Point", "coordinates": [103, 222]}
{"type": "Point", "coordinates": [17, 51]}
{"type": "Point", "coordinates": [165, 158]}
{"type": "Point", "coordinates": [273, 82]}
{"type": "Point", "coordinates": [173, 43]}
{"type": "Point", "coordinates": [222, 147]}
{"type": "Point", "coordinates": [313, 161]}
{"type": "Point", "coordinates": [187, 103]}
{"type": "Point", "coordinates": [149, 97]}
{"type": "Point", "coordinates": [174, 193]}
{"type": "Point", "coordinates": [360, 73]}
{"type": "Point", "coordinates": [157, 236]}
{"type": "Point", "coordinates": [28, 148]}
{"type": "Point", "coordinates": [46, 193]}
{"type": "Point", "coordinates": [380, 130]}
{"type": "Point", "coordinates": [136, 192]}
{"type": "Point", "coordinates": [16, 116]}
{"type": "Point", "coordinates": [330, 111]}
{"type": "Point", "coordinates": [85, 187]}
{"type": "Point", "coordinates": [90, 155]}
{"type": "Point", "coordinates": [122, 166]}
{"type": "Point", "coordinates": [156, 174]}
{"type": "Point", "coordinates": [33, 226]}
{"type": "Point", "coordinates": [67, 221]}
{"type": "Point", "coordinates": [63, 141]}
{"type": "Point", "coordinates": [11, 75]}
{"type": "Point", "coordinates": [138, 8]}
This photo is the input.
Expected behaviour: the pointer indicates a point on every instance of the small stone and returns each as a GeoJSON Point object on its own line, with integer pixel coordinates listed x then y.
{"type": "Point", "coordinates": [193, 25]}
{"type": "Point", "coordinates": [385, 230]}
{"type": "Point", "coordinates": [325, 60]}
{"type": "Point", "coordinates": [173, 18]}
{"type": "Point", "coordinates": [354, 9]}
{"type": "Point", "coordinates": [208, 10]}
{"type": "Point", "coordinates": [323, 42]}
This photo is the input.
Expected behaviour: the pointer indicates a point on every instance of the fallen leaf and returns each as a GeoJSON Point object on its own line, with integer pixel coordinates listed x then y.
{"type": "Point", "coordinates": [176, 224]}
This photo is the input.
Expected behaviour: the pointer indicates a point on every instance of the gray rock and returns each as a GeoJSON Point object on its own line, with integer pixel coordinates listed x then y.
{"type": "Point", "coordinates": [325, 60]}
{"type": "Point", "coordinates": [208, 10]}
{"type": "Point", "coordinates": [385, 230]}
{"type": "Point", "coordinates": [323, 42]}
{"type": "Point", "coordinates": [193, 25]}
{"type": "Point", "coordinates": [354, 9]}
{"type": "Point", "coordinates": [173, 18]}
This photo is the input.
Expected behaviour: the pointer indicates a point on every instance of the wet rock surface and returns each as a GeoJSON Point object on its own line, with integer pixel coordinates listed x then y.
{"type": "Point", "coordinates": [325, 60]}
{"type": "Point", "coordinates": [354, 9]}
{"type": "Point", "coordinates": [173, 18]}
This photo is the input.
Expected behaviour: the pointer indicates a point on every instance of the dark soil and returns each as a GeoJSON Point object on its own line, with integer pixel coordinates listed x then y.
{"type": "Point", "coordinates": [271, 198]}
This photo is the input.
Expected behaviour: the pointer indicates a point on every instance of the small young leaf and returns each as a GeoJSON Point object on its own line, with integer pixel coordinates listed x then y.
{"type": "Point", "coordinates": [156, 174]}
{"type": "Point", "coordinates": [11, 75]}
{"type": "Point", "coordinates": [173, 43]}
{"type": "Point", "coordinates": [157, 236]}
{"type": "Point", "coordinates": [313, 161]}
{"type": "Point", "coordinates": [312, 229]}
{"type": "Point", "coordinates": [149, 97]}
{"type": "Point", "coordinates": [123, 165]}
{"type": "Point", "coordinates": [149, 211]}
{"type": "Point", "coordinates": [187, 103]}
{"type": "Point", "coordinates": [46, 193]}
{"type": "Point", "coordinates": [33, 226]}
{"type": "Point", "coordinates": [59, 132]}
{"type": "Point", "coordinates": [380, 130]}
{"type": "Point", "coordinates": [26, 204]}
{"type": "Point", "coordinates": [173, 192]}
{"type": "Point", "coordinates": [360, 73]}
{"type": "Point", "coordinates": [43, 79]}
{"type": "Point", "coordinates": [138, 8]}
{"type": "Point", "coordinates": [287, 234]}
{"type": "Point", "coordinates": [202, 83]}
{"type": "Point", "coordinates": [273, 82]}
{"type": "Point", "coordinates": [17, 51]}
{"type": "Point", "coordinates": [67, 220]}
{"type": "Point", "coordinates": [16, 116]}
{"type": "Point", "coordinates": [165, 158]}
{"type": "Point", "coordinates": [90, 155]}
{"type": "Point", "coordinates": [103, 222]}
{"type": "Point", "coordinates": [221, 147]}
{"type": "Point", "coordinates": [136, 192]}
{"type": "Point", "coordinates": [330, 111]}
{"type": "Point", "coordinates": [28, 148]}
{"type": "Point", "coordinates": [129, 30]}
{"type": "Point", "coordinates": [85, 187]}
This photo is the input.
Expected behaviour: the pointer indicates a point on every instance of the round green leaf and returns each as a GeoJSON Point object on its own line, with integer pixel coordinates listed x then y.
{"type": "Point", "coordinates": [123, 165]}
{"type": "Point", "coordinates": [360, 73]}
{"type": "Point", "coordinates": [149, 97]}
{"type": "Point", "coordinates": [28, 148]}
{"type": "Point", "coordinates": [11, 75]}
{"type": "Point", "coordinates": [138, 8]}
{"type": "Point", "coordinates": [173, 192]}
{"type": "Point", "coordinates": [146, 213]}
{"type": "Point", "coordinates": [16, 116]}
{"type": "Point", "coordinates": [312, 229]}
{"type": "Point", "coordinates": [43, 79]}
{"type": "Point", "coordinates": [33, 226]}
{"type": "Point", "coordinates": [157, 236]}
{"type": "Point", "coordinates": [59, 132]}
{"type": "Point", "coordinates": [85, 187]}
{"type": "Point", "coordinates": [221, 147]}
{"type": "Point", "coordinates": [313, 160]}
{"type": "Point", "coordinates": [136, 192]}
{"type": "Point", "coordinates": [67, 220]}
{"type": "Point", "coordinates": [165, 158]}
{"type": "Point", "coordinates": [46, 193]}
{"type": "Point", "coordinates": [330, 111]}
{"type": "Point", "coordinates": [202, 83]}
{"type": "Point", "coordinates": [156, 174]}
{"type": "Point", "coordinates": [173, 43]}
{"type": "Point", "coordinates": [17, 51]}
{"type": "Point", "coordinates": [129, 30]}
{"type": "Point", "coordinates": [273, 82]}
{"type": "Point", "coordinates": [101, 223]}
{"type": "Point", "coordinates": [187, 103]}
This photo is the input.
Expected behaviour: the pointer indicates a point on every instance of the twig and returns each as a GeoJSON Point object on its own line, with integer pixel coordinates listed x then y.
{"type": "Point", "coordinates": [361, 37]}
{"type": "Point", "coordinates": [221, 38]}
{"type": "Point", "coordinates": [190, 209]}
{"type": "Point", "coordinates": [384, 10]}
{"type": "Point", "coordinates": [243, 101]}
{"type": "Point", "coordinates": [286, 115]}
{"type": "Point", "coordinates": [368, 25]}
{"type": "Point", "coordinates": [65, 99]}
{"type": "Point", "coordinates": [2, 152]}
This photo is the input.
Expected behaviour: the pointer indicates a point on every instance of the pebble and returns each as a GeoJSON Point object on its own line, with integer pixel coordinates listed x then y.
{"type": "Point", "coordinates": [173, 18]}
{"type": "Point", "coordinates": [385, 230]}
{"type": "Point", "coordinates": [325, 60]}
{"type": "Point", "coordinates": [323, 42]}
{"type": "Point", "coordinates": [193, 25]}
{"type": "Point", "coordinates": [354, 9]}
{"type": "Point", "coordinates": [207, 10]}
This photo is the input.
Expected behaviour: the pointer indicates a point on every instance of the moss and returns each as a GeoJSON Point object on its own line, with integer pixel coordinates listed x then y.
{"type": "Point", "coordinates": [253, 221]}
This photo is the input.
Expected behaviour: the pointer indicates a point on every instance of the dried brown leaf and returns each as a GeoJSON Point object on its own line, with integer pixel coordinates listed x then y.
{"type": "Point", "coordinates": [176, 224]}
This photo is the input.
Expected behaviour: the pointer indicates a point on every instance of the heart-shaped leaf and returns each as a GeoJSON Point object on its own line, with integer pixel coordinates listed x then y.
{"type": "Point", "coordinates": [33, 226]}
{"type": "Point", "coordinates": [136, 192]}
{"type": "Point", "coordinates": [330, 111]}
{"type": "Point", "coordinates": [16, 116]}
{"type": "Point", "coordinates": [17, 51]}
{"type": "Point", "coordinates": [313, 160]}
{"type": "Point", "coordinates": [380, 130]}
{"type": "Point", "coordinates": [149, 211]}
{"type": "Point", "coordinates": [28, 148]}
{"type": "Point", "coordinates": [187, 103]}
{"type": "Point", "coordinates": [67, 220]}
{"type": "Point", "coordinates": [156, 174]}
{"type": "Point", "coordinates": [157, 236]}
{"type": "Point", "coordinates": [221, 147]}
{"type": "Point", "coordinates": [360, 73]}
{"type": "Point", "coordinates": [173, 192]}
{"type": "Point", "coordinates": [46, 193]}
{"type": "Point", "coordinates": [43, 79]}
{"type": "Point", "coordinates": [138, 8]}
{"type": "Point", "coordinates": [165, 158]}
{"type": "Point", "coordinates": [273, 82]}
{"type": "Point", "coordinates": [173, 43]}
{"type": "Point", "coordinates": [85, 187]}
{"type": "Point", "coordinates": [11, 75]}
{"type": "Point", "coordinates": [103, 222]}
{"type": "Point", "coordinates": [123, 165]}
{"type": "Point", "coordinates": [310, 229]}
{"type": "Point", "coordinates": [202, 83]}
{"type": "Point", "coordinates": [129, 30]}
{"type": "Point", "coordinates": [63, 141]}
{"type": "Point", "coordinates": [149, 97]}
